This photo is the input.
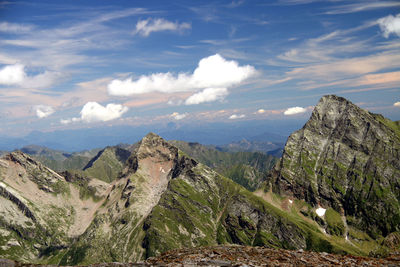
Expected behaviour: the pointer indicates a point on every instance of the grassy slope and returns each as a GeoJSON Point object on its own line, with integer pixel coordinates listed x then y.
{"type": "Point", "coordinates": [107, 164]}
{"type": "Point", "coordinates": [244, 168]}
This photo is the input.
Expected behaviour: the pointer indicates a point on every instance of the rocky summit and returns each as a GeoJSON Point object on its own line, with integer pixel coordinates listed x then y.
{"type": "Point", "coordinates": [345, 160]}
{"type": "Point", "coordinates": [335, 190]}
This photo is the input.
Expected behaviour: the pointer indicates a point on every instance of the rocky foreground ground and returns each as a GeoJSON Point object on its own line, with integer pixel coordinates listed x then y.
{"type": "Point", "coordinates": [246, 256]}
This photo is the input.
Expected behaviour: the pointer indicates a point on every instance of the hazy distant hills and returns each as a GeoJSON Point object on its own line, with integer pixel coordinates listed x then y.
{"type": "Point", "coordinates": [87, 139]}
{"type": "Point", "coordinates": [60, 160]}
{"type": "Point", "coordinates": [271, 148]}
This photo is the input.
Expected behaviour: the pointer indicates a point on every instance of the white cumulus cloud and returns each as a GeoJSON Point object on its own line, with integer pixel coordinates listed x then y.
{"type": "Point", "coordinates": [15, 75]}
{"type": "Point", "coordinates": [235, 116]}
{"type": "Point", "coordinates": [212, 72]}
{"type": "Point", "coordinates": [94, 112]}
{"type": "Point", "coordinates": [207, 95]}
{"type": "Point", "coordinates": [147, 26]}
{"type": "Point", "coordinates": [261, 111]}
{"type": "Point", "coordinates": [397, 104]}
{"type": "Point", "coordinates": [177, 116]}
{"type": "Point", "coordinates": [12, 74]}
{"type": "Point", "coordinates": [294, 110]}
{"type": "Point", "coordinates": [43, 111]}
{"type": "Point", "coordinates": [389, 25]}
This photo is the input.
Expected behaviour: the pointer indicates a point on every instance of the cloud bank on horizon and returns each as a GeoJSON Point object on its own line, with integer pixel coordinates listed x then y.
{"type": "Point", "coordinates": [192, 62]}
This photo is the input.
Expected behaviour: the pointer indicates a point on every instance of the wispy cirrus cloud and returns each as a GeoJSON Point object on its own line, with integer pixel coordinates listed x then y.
{"type": "Point", "coordinates": [332, 60]}
{"type": "Point", "coordinates": [147, 26]}
{"type": "Point", "coordinates": [337, 68]}
{"type": "Point", "coordinates": [15, 27]}
{"type": "Point", "coordinates": [58, 47]}
{"type": "Point", "coordinates": [362, 6]}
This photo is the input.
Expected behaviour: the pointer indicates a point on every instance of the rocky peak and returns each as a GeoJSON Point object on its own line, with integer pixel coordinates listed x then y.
{"type": "Point", "coordinates": [151, 149]}
{"type": "Point", "coordinates": [153, 145]}
{"type": "Point", "coordinates": [44, 177]}
{"type": "Point", "coordinates": [345, 158]}
{"type": "Point", "coordinates": [20, 158]}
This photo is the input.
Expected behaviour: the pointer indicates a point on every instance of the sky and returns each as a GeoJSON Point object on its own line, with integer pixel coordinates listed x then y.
{"type": "Point", "coordinates": [71, 65]}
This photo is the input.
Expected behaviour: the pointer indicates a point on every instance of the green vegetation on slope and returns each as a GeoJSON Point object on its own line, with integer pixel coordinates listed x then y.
{"type": "Point", "coordinates": [245, 168]}
{"type": "Point", "coordinates": [107, 164]}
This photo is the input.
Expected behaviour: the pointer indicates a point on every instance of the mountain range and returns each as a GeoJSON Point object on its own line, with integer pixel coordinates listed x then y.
{"type": "Point", "coordinates": [336, 189]}
{"type": "Point", "coordinates": [274, 131]}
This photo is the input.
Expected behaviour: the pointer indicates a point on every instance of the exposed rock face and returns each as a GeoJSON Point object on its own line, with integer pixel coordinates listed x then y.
{"type": "Point", "coordinates": [348, 159]}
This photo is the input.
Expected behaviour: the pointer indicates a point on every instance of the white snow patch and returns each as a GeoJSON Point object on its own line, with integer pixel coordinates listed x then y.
{"type": "Point", "coordinates": [320, 212]}
{"type": "Point", "coordinates": [346, 238]}
{"type": "Point", "coordinates": [323, 230]}
{"type": "Point", "coordinates": [290, 201]}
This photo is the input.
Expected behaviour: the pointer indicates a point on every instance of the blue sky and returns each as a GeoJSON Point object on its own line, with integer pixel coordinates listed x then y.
{"type": "Point", "coordinates": [85, 64]}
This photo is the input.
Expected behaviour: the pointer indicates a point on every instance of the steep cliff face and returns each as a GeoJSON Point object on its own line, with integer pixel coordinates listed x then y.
{"type": "Point", "coordinates": [348, 159]}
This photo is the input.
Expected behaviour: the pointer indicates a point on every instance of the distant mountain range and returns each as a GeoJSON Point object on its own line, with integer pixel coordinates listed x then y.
{"type": "Point", "coordinates": [60, 160]}
{"type": "Point", "coordinates": [335, 189]}
{"type": "Point", "coordinates": [87, 139]}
